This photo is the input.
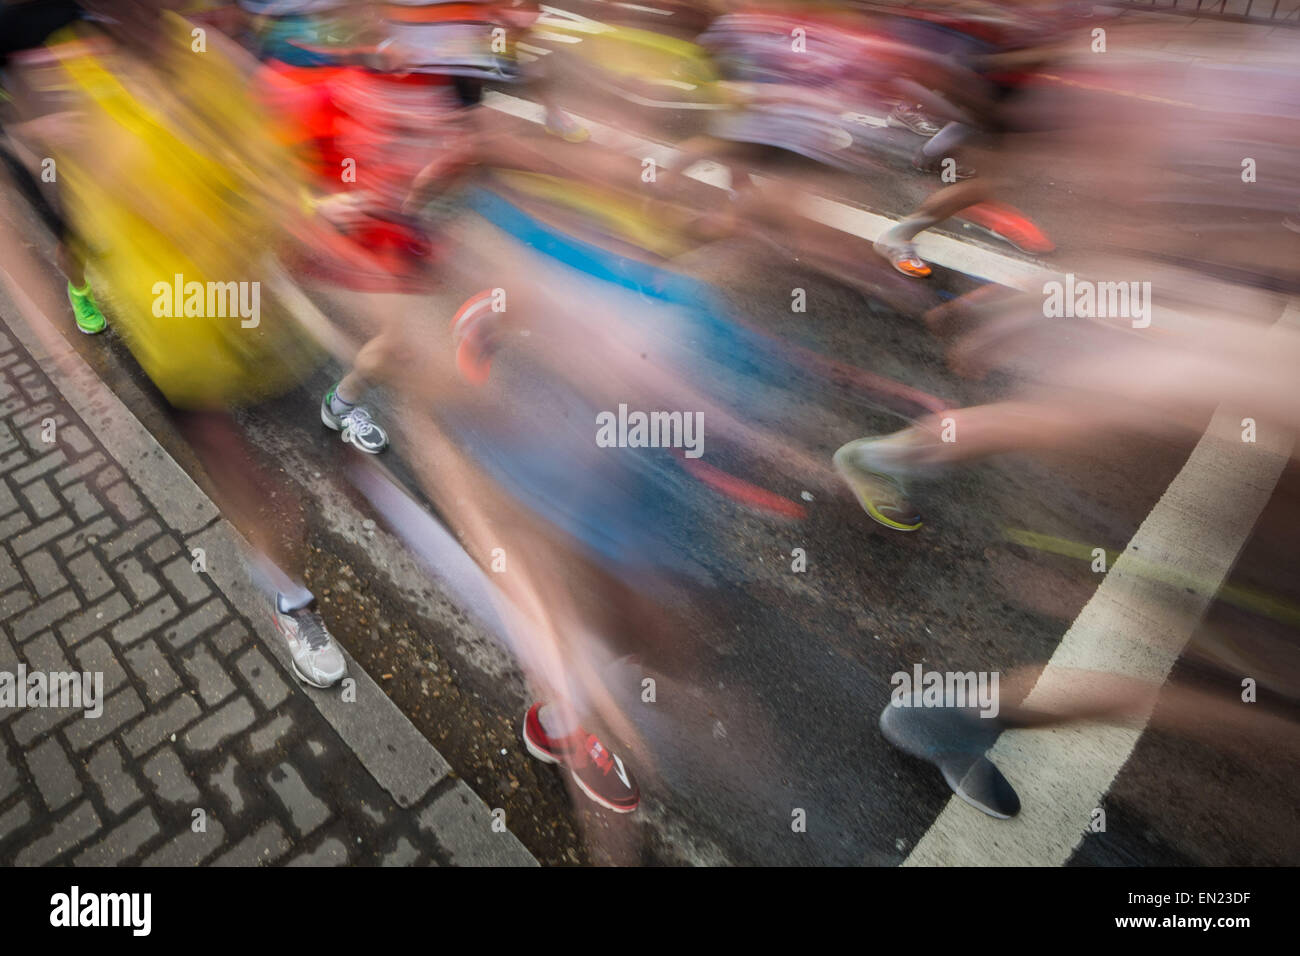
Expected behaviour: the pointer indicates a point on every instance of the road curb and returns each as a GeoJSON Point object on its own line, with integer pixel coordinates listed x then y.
{"type": "Point", "coordinates": [392, 750]}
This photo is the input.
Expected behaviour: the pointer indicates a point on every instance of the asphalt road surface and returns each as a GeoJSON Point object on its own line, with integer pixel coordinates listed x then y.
{"type": "Point", "coordinates": [784, 673]}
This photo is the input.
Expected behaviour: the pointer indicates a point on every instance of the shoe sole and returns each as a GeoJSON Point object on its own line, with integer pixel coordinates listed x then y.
{"type": "Point", "coordinates": [328, 423]}
{"type": "Point", "coordinates": [546, 757]}
{"type": "Point", "coordinates": [848, 473]}
{"type": "Point", "coordinates": [887, 254]}
{"type": "Point", "coordinates": [949, 773]}
{"type": "Point", "coordinates": [307, 680]}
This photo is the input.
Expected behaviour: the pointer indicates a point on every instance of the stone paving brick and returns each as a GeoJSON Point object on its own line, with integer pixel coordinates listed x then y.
{"type": "Point", "coordinates": [195, 702]}
{"type": "Point", "coordinates": [188, 847]}
{"type": "Point", "coordinates": [131, 539]}
{"type": "Point", "coordinates": [145, 620]}
{"type": "Point", "coordinates": [161, 724]}
{"type": "Point", "coordinates": [78, 824]}
{"type": "Point", "coordinates": [39, 534]}
{"type": "Point", "coordinates": [331, 852]}
{"type": "Point", "coordinates": [231, 719]}
{"type": "Point", "coordinates": [229, 638]}
{"type": "Point", "coordinates": [39, 721]}
{"type": "Point", "coordinates": [141, 585]}
{"type": "Point", "coordinates": [53, 773]}
{"type": "Point", "coordinates": [43, 615]}
{"type": "Point", "coordinates": [44, 654]}
{"type": "Point", "coordinates": [90, 577]}
{"type": "Point", "coordinates": [9, 778]}
{"type": "Point", "coordinates": [306, 810]}
{"type": "Point", "coordinates": [9, 574]}
{"type": "Point", "coordinates": [14, 819]}
{"type": "Point", "coordinates": [122, 841]}
{"type": "Point", "coordinates": [108, 771]}
{"type": "Point", "coordinates": [97, 657]}
{"type": "Point", "coordinates": [148, 663]}
{"type": "Point", "coordinates": [94, 619]}
{"type": "Point", "coordinates": [80, 469]}
{"type": "Point", "coordinates": [84, 503]}
{"type": "Point", "coordinates": [121, 707]}
{"type": "Point", "coordinates": [265, 682]}
{"type": "Point", "coordinates": [267, 845]}
{"type": "Point", "coordinates": [13, 524]}
{"type": "Point", "coordinates": [14, 459]}
{"type": "Point", "coordinates": [76, 439]}
{"type": "Point", "coordinates": [192, 585]}
{"type": "Point", "coordinates": [168, 546]}
{"type": "Point", "coordinates": [40, 499]}
{"type": "Point", "coordinates": [225, 782]}
{"type": "Point", "coordinates": [12, 602]}
{"type": "Point", "coordinates": [110, 475]}
{"type": "Point", "coordinates": [403, 854]}
{"type": "Point", "coordinates": [9, 658]}
{"type": "Point", "coordinates": [40, 466]}
{"type": "Point", "coordinates": [265, 738]}
{"type": "Point", "coordinates": [209, 674]}
{"type": "Point", "coordinates": [43, 571]}
{"type": "Point", "coordinates": [195, 623]}
{"type": "Point", "coordinates": [88, 536]}
{"type": "Point", "coordinates": [169, 778]}
{"type": "Point", "coordinates": [7, 500]}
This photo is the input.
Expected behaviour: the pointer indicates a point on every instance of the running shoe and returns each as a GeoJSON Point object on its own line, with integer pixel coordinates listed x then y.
{"type": "Point", "coordinates": [902, 256]}
{"type": "Point", "coordinates": [1010, 225]}
{"type": "Point", "coordinates": [599, 773]}
{"type": "Point", "coordinates": [563, 125]}
{"type": "Point", "coordinates": [317, 660]}
{"type": "Point", "coordinates": [476, 333]}
{"type": "Point", "coordinates": [357, 427]}
{"type": "Point", "coordinates": [881, 494]}
{"type": "Point", "coordinates": [911, 116]}
{"type": "Point", "coordinates": [86, 310]}
{"type": "Point", "coordinates": [955, 740]}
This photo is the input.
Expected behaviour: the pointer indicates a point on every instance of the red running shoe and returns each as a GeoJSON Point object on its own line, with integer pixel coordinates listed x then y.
{"type": "Point", "coordinates": [599, 773]}
{"type": "Point", "coordinates": [1010, 225]}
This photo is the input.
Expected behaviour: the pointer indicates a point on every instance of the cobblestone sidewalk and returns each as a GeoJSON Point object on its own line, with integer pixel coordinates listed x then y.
{"type": "Point", "coordinates": [207, 750]}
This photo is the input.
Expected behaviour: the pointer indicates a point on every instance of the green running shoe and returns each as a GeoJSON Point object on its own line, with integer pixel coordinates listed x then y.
{"type": "Point", "coordinates": [86, 310]}
{"type": "Point", "coordinates": [882, 495]}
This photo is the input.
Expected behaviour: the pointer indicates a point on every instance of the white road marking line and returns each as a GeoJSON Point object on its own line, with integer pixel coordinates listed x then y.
{"type": "Point", "coordinates": [972, 260]}
{"type": "Point", "coordinates": [1133, 625]}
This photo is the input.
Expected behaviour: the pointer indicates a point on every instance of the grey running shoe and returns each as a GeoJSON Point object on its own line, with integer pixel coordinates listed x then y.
{"type": "Point", "coordinates": [955, 740]}
{"type": "Point", "coordinates": [317, 660]}
{"type": "Point", "coordinates": [910, 116]}
{"type": "Point", "coordinates": [357, 427]}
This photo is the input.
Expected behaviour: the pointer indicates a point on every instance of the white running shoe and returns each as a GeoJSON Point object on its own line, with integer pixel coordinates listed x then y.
{"type": "Point", "coordinates": [317, 660]}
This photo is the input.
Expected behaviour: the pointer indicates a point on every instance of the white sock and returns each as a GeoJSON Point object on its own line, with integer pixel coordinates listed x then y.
{"type": "Point", "coordinates": [295, 600]}
{"type": "Point", "coordinates": [338, 403]}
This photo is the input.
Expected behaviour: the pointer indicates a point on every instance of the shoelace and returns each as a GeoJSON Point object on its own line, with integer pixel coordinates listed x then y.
{"type": "Point", "coordinates": [312, 630]}
{"type": "Point", "coordinates": [358, 421]}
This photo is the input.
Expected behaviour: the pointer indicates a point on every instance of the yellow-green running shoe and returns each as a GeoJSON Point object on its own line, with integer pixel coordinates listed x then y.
{"type": "Point", "coordinates": [86, 310]}
{"type": "Point", "coordinates": [881, 494]}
